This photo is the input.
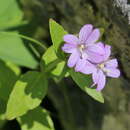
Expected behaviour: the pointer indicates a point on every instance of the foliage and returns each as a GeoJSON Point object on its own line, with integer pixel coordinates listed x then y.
{"type": "Point", "coordinates": [22, 93]}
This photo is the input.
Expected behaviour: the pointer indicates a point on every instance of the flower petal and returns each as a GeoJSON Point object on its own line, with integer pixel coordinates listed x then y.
{"type": "Point", "coordinates": [96, 49]}
{"type": "Point", "coordinates": [100, 44]}
{"type": "Point", "coordinates": [88, 68]}
{"type": "Point", "coordinates": [112, 72]}
{"type": "Point", "coordinates": [73, 59]}
{"type": "Point", "coordinates": [69, 38]}
{"type": "Point", "coordinates": [107, 52]}
{"type": "Point", "coordinates": [93, 37]}
{"type": "Point", "coordinates": [101, 81]}
{"type": "Point", "coordinates": [95, 76]}
{"type": "Point", "coordinates": [80, 65]}
{"type": "Point", "coordinates": [94, 57]}
{"type": "Point", "coordinates": [112, 63]}
{"type": "Point", "coordinates": [84, 55]}
{"type": "Point", "coordinates": [85, 32]}
{"type": "Point", "coordinates": [68, 48]}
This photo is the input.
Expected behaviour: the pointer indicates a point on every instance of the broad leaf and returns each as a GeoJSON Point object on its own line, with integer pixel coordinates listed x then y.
{"type": "Point", "coordinates": [37, 119]}
{"type": "Point", "coordinates": [12, 49]}
{"type": "Point", "coordinates": [57, 33]}
{"type": "Point", "coordinates": [10, 14]}
{"type": "Point", "coordinates": [7, 81]}
{"type": "Point", "coordinates": [27, 94]}
{"type": "Point", "coordinates": [84, 82]}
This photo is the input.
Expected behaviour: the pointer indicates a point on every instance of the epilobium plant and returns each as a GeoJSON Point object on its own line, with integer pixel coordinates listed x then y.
{"type": "Point", "coordinates": [21, 94]}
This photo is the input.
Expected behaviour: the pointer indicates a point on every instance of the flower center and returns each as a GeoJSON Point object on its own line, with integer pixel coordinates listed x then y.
{"type": "Point", "coordinates": [81, 47]}
{"type": "Point", "coordinates": [102, 67]}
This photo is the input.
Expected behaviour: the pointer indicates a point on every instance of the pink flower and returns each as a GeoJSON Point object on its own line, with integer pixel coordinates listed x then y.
{"type": "Point", "coordinates": [83, 49]}
{"type": "Point", "coordinates": [107, 67]}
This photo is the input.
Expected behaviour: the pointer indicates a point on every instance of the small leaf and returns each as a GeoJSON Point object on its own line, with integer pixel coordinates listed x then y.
{"type": "Point", "coordinates": [57, 67]}
{"type": "Point", "coordinates": [49, 56]}
{"type": "Point", "coordinates": [12, 49]}
{"type": "Point", "coordinates": [94, 94]}
{"type": "Point", "coordinates": [84, 82]}
{"type": "Point", "coordinates": [27, 94]}
{"type": "Point", "coordinates": [57, 33]}
{"type": "Point", "coordinates": [37, 119]}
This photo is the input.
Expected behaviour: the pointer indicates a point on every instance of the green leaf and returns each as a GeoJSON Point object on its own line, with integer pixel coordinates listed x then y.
{"type": "Point", "coordinates": [2, 113]}
{"type": "Point", "coordinates": [58, 70]}
{"type": "Point", "coordinates": [57, 32]}
{"type": "Point", "coordinates": [84, 82]}
{"type": "Point", "coordinates": [7, 81]}
{"type": "Point", "coordinates": [12, 49]}
{"type": "Point", "coordinates": [10, 14]}
{"type": "Point", "coordinates": [49, 56]}
{"type": "Point", "coordinates": [16, 69]}
{"type": "Point", "coordinates": [2, 109]}
{"type": "Point", "coordinates": [94, 94]}
{"type": "Point", "coordinates": [56, 66]}
{"type": "Point", "coordinates": [37, 119]}
{"type": "Point", "coordinates": [27, 94]}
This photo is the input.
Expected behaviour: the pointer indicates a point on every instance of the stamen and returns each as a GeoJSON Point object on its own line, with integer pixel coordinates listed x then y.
{"type": "Point", "coordinates": [81, 47]}
{"type": "Point", "coordinates": [101, 66]}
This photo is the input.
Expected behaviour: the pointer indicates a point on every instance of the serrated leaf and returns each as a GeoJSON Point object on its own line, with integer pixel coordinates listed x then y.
{"type": "Point", "coordinates": [57, 32]}
{"type": "Point", "coordinates": [13, 49]}
{"type": "Point", "coordinates": [27, 94]}
{"type": "Point", "coordinates": [10, 14]}
{"type": "Point", "coordinates": [37, 119]}
{"type": "Point", "coordinates": [84, 82]}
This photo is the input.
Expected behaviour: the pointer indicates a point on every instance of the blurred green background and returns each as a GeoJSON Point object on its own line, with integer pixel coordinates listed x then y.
{"type": "Point", "coordinates": [70, 107]}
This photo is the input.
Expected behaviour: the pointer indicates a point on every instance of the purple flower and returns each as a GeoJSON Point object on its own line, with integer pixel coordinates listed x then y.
{"type": "Point", "coordinates": [107, 67]}
{"type": "Point", "coordinates": [83, 47]}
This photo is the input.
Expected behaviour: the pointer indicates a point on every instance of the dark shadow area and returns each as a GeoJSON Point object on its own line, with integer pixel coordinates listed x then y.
{"type": "Point", "coordinates": [11, 125]}
{"type": "Point", "coordinates": [48, 105]}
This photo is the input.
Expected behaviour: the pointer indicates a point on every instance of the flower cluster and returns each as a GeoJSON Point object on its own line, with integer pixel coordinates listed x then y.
{"type": "Point", "coordinates": [89, 56]}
